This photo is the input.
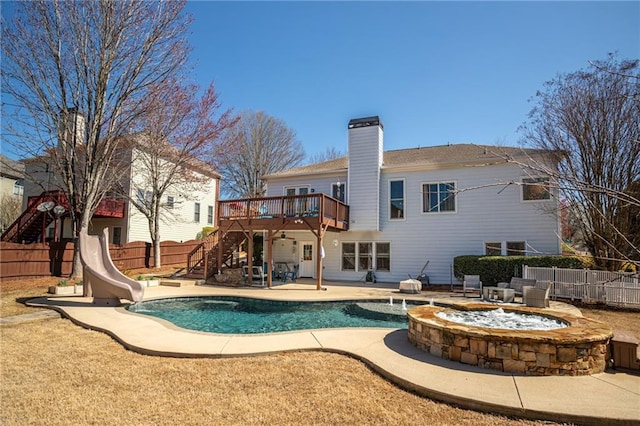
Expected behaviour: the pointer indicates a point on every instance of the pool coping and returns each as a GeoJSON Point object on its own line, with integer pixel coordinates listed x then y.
{"type": "Point", "coordinates": [610, 397]}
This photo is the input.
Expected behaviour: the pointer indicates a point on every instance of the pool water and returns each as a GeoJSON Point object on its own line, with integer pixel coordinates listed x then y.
{"type": "Point", "coordinates": [236, 315]}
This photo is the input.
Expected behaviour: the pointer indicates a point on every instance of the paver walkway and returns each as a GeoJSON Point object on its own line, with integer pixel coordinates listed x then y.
{"type": "Point", "coordinates": [612, 397]}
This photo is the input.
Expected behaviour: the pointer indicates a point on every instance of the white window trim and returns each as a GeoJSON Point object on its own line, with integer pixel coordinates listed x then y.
{"type": "Point", "coordinates": [404, 200]}
{"type": "Point", "coordinates": [522, 185]}
{"type": "Point", "coordinates": [503, 246]}
{"type": "Point", "coordinates": [297, 188]}
{"type": "Point", "coordinates": [438, 182]}
{"type": "Point", "coordinates": [374, 254]}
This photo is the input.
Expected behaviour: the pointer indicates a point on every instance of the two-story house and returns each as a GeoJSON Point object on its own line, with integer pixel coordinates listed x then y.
{"type": "Point", "coordinates": [401, 209]}
{"type": "Point", "coordinates": [186, 208]}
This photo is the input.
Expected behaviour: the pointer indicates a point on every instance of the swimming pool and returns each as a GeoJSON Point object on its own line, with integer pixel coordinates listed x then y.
{"type": "Point", "coordinates": [239, 315]}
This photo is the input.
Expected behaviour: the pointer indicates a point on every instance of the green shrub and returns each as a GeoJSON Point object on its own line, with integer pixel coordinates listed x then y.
{"type": "Point", "coordinates": [495, 269]}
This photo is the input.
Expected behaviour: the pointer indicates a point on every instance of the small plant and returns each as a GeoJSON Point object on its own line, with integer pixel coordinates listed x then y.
{"type": "Point", "coordinates": [141, 278]}
{"type": "Point", "coordinates": [63, 283]}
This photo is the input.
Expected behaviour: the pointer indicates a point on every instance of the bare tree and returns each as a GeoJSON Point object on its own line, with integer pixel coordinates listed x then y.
{"type": "Point", "coordinates": [590, 122]}
{"type": "Point", "coordinates": [10, 209]}
{"type": "Point", "coordinates": [256, 146]}
{"type": "Point", "coordinates": [74, 73]}
{"type": "Point", "coordinates": [330, 153]}
{"type": "Point", "coordinates": [177, 130]}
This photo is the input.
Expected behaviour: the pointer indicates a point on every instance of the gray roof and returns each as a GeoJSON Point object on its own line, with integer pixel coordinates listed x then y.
{"type": "Point", "coordinates": [428, 156]}
{"type": "Point", "coordinates": [10, 168]}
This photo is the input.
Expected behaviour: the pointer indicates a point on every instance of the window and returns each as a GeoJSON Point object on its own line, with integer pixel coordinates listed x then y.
{"type": "Point", "coordinates": [209, 215]}
{"type": "Point", "coordinates": [396, 199]}
{"type": "Point", "coordinates": [535, 189]}
{"type": "Point", "coordinates": [493, 248]}
{"type": "Point", "coordinates": [348, 256]}
{"type": "Point", "coordinates": [18, 188]}
{"type": "Point", "coordinates": [361, 256]}
{"type": "Point", "coordinates": [383, 256]}
{"type": "Point", "coordinates": [365, 256]}
{"type": "Point", "coordinates": [170, 202]}
{"type": "Point", "coordinates": [117, 235]}
{"type": "Point", "coordinates": [144, 197]}
{"type": "Point", "coordinates": [196, 213]}
{"type": "Point", "coordinates": [438, 197]}
{"type": "Point", "coordinates": [337, 191]}
{"type": "Point", "coordinates": [516, 248]}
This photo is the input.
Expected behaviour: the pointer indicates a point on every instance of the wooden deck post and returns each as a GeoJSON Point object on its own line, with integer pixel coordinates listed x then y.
{"type": "Point", "coordinates": [221, 236]}
{"type": "Point", "coordinates": [269, 243]}
{"type": "Point", "coordinates": [319, 261]}
{"type": "Point", "coordinates": [250, 259]}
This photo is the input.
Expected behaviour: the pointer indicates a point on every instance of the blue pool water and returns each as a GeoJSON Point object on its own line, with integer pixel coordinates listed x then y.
{"type": "Point", "coordinates": [237, 315]}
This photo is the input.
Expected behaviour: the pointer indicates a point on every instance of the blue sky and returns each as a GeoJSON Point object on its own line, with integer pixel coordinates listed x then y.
{"type": "Point", "coordinates": [435, 72]}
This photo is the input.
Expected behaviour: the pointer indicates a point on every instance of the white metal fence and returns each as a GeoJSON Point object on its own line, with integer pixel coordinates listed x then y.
{"type": "Point", "coordinates": [613, 288]}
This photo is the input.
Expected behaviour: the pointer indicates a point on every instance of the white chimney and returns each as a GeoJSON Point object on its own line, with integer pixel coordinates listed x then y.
{"type": "Point", "coordinates": [72, 126]}
{"type": "Point", "coordinates": [365, 161]}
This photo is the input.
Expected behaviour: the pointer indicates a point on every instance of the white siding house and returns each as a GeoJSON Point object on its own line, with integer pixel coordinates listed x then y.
{"type": "Point", "coordinates": [415, 205]}
{"type": "Point", "coordinates": [187, 208]}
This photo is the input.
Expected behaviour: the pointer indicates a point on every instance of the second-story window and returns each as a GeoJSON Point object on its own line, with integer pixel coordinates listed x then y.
{"type": "Point", "coordinates": [196, 213]}
{"type": "Point", "coordinates": [438, 197]}
{"type": "Point", "coordinates": [18, 188]}
{"type": "Point", "coordinates": [170, 202]}
{"type": "Point", "coordinates": [338, 191]}
{"type": "Point", "coordinates": [535, 189]}
{"type": "Point", "coordinates": [396, 199]}
{"type": "Point", "coordinates": [209, 215]}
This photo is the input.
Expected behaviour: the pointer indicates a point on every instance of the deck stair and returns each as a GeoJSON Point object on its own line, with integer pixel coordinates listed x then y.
{"type": "Point", "coordinates": [202, 262]}
{"type": "Point", "coordinates": [29, 226]}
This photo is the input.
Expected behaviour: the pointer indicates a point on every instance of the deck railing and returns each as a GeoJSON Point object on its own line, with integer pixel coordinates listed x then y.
{"type": "Point", "coordinates": [289, 206]}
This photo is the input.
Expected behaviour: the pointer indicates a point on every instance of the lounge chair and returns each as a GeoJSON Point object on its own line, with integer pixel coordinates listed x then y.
{"type": "Point", "coordinates": [473, 283]}
{"type": "Point", "coordinates": [538, 296]}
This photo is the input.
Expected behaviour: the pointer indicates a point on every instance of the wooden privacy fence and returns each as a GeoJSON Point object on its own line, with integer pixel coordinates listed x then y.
{"type": "Point", "coordinates": [55, 259]}
{"type": "Point", "coordinates": [613, 288]}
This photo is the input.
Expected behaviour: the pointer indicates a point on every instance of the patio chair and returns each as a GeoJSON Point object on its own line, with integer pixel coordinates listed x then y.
{"type": "Point", "coordinates": [291, 274]}
{"type": "Point", "coordinates": [518, 284]}
{"type": "Point", "coordinates": [257, 275]}
{"type": "Point", "coordinates": [471, 282]}
{"type": "Point", "coordinates": [538, 296]}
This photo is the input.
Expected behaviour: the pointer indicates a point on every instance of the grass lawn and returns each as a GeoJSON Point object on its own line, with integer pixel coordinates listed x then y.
{"type": "Point", "coordinates": [56, 373]}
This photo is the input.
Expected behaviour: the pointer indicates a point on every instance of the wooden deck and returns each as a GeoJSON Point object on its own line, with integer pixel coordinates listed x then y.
{"type": "Point", "coordinates": [297, 212]}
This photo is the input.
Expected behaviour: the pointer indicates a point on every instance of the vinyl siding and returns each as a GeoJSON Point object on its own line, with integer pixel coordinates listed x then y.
{"type": "Point", "coordinates": [365, 159]}
{"type": "Point", "coordinates": [319, 184]}
{"type": "Point", "coordinates": [492, 213]}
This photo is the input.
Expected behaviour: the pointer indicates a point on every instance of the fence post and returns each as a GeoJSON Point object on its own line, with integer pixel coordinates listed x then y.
{"type": "Point", "coordinates": [525, 271]}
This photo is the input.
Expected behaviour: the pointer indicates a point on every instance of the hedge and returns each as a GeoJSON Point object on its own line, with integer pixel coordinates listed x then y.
{"type": "Point", "coordinates": [495, 269]}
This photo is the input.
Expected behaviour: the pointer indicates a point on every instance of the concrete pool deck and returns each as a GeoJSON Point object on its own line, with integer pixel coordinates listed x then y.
{"type": "Point", "coordinates": [612, 397]}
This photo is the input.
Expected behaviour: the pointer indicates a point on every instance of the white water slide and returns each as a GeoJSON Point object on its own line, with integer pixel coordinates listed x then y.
{"type": "Point", "coordinates": [101, 278]}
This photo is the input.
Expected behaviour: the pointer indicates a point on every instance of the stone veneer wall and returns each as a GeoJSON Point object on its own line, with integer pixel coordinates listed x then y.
{"type": "Point", "coordinates": [510, 354]}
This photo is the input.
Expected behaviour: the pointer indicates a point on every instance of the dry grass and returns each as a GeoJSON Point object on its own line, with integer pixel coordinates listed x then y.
{"type": "Point", "coordinates": [70, 375]}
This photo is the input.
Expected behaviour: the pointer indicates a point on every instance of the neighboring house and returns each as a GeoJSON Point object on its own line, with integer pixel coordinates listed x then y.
{"type": "Point", "coordinates": [11, 177]}
{"type": "Point", "coordinates": [187, 209]}
{"type": "Point", "coordinates": [411, 206]}
{"type": "Point", "coordinates": [11, 190]}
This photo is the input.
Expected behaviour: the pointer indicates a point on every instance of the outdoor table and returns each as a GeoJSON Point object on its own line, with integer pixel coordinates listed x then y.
{"type": "Point", "coordinates": [498, 293]}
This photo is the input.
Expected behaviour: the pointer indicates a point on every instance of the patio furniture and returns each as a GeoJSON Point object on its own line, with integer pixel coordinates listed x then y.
{"type": "Point", "coordinates": [410, 286]}
{"type": "Point", "coordinates": [291, 274]}
{"type": "Point", "coordinates": [538, 296]}
{"type": "Point", "coordinates": [473, 283]}
{"type": "Point", "coordinates": [258, 274]}
{"type": "Point", "coordinates": [503, 294]}
{"type": "Point", "coordinates": [518, 283]}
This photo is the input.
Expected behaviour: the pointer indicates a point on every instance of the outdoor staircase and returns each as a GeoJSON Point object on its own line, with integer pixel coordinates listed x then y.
{"type": "Point", "coordinates": [30, 225]}
{"type": "Point", "coordinates": [202, 262]}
